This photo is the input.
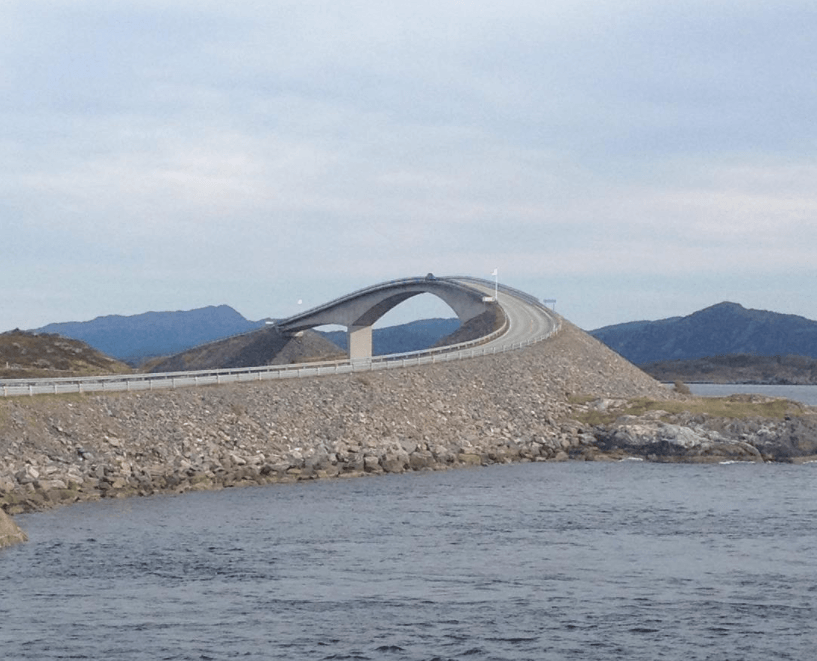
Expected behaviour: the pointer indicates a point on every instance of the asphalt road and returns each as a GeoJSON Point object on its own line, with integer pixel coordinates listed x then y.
{"type": "Point", "coordinates": [527, 322]}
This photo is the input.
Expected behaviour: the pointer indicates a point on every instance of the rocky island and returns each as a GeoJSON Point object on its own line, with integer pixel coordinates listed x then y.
{"type": "Point", "coordinates": [568, 397]}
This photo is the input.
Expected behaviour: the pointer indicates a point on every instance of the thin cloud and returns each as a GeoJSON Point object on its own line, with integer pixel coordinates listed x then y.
{"type": "Point", "coordinates": [593, 146]}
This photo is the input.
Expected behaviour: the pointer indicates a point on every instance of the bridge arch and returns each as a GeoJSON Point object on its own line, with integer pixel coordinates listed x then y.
{"type": "Point", "coordinates": [423, 306]}
{"type": "Point", "coordinates": [360, 310]}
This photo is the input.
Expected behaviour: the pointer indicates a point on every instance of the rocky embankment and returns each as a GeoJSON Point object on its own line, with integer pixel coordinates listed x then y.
{"type": "Point", "coordinates": [527, 405]}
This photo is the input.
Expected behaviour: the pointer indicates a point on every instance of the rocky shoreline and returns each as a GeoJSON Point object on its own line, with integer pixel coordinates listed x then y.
{"type": "Point", "coordinates": [529, 405]}
{"type": "Point", "coordinates": [690, 437]}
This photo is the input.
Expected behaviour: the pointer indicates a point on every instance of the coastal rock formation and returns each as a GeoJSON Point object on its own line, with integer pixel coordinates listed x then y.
{"type": "Point", "coordinates": [10, 532]}
{"type": "Point", "coordinates": [523, 405]}
{"type": "Point", "coordinates": [735, 428]}
{"type": "Point", "coordinates": [709, 439]}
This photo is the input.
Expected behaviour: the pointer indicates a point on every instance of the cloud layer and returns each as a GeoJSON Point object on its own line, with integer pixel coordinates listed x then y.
{"type": "Point", "coordinates": [632, 159]}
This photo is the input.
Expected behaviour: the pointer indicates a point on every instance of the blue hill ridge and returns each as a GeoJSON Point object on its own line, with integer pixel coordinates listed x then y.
{"type": "Point", "coordinates": [722, 329]}
{"type": "Point", "coordinates": [137, 337]}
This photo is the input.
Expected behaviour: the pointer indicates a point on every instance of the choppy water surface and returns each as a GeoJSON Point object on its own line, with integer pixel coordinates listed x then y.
{"type": "Point", "coordinates": [804, 394]}
{"type": "Point", "coordinates": [534, 561]}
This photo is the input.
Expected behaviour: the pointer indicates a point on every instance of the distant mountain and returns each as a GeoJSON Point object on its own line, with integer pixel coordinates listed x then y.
{"type": "Point", "coordinates": [137, 337]}
{"type": "Point", "coordinates": [725, 328]}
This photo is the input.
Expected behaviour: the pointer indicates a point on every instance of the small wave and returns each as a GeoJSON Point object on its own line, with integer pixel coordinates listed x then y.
{"type": "Point", "coordinates": [517, 639]}
{"type": "Point", "coordinates": [631, 459]}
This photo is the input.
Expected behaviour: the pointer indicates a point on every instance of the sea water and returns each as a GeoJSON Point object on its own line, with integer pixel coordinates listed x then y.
{"type": "Point", "coordinates": [803, 394]}
{"type": "Point", "coordinates": [547, 561]}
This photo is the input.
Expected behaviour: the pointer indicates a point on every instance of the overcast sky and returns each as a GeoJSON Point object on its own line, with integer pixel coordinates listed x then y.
{"type": "Point", "coordinates": [630, 159]}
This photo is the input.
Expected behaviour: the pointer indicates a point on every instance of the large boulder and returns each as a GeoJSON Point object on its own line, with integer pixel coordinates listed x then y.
{"type": "Point", "coordinates": [10, 532]}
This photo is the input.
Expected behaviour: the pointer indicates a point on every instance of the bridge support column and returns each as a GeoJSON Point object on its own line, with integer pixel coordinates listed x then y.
{"type": "Point", "coordinates": [360, 342]}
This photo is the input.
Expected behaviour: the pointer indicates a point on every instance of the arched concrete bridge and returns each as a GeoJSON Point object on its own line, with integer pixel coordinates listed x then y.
{"type": "Point", "coordinates": [360, 310]}
{"type": "Point", "coordinates": [527, 321]}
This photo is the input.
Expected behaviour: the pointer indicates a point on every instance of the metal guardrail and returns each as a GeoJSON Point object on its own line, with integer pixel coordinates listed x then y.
{"type": "Point", "coordinates": [165, 380]}
{"type": "Point", "coordinates": [516, 293]}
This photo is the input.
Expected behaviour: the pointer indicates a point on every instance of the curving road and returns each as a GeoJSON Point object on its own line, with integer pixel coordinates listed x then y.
{"type": "Point", "coordinates": [528, 321]}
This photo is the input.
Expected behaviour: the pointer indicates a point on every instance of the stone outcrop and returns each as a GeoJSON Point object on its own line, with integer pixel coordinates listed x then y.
{"type": "Point", "coordinates": [659, 436]}
{"type": "Point", "coordinates": [10, 532]}
{"type": "Point", "coordinates": [516, 406]}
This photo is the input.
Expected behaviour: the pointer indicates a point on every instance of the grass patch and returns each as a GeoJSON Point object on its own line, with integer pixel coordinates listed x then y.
{"type": "Point", "coordinates": [580, 400]}
{"type": "Point", "coordinates": [734, 406]}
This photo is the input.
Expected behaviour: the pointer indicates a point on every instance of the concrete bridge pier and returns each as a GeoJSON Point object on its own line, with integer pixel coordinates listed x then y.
{"type": "Point", "coordinates": [360, 342]}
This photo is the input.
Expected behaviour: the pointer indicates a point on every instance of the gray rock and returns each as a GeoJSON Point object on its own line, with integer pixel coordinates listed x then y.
{"type": "Point", "coordinates": [10, 532]}
{"type": "Point", "coordinates": [371, 464]}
